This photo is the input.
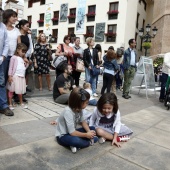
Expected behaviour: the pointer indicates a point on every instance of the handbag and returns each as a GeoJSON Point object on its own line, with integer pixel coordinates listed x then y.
{"type": "Point", "coordinates": [58, 61]}
{"type": "Point", "coordinates": [80, 65]}
{"type": "Point", "coordinates": [95, 71]}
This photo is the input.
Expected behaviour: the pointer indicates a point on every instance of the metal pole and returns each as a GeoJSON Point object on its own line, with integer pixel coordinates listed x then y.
{"type": "Point", "coordinates": [145, 51]}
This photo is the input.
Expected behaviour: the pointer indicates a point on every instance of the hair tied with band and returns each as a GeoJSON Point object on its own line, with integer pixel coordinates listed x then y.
{"type": "Point", "coordinates": [83, 96]}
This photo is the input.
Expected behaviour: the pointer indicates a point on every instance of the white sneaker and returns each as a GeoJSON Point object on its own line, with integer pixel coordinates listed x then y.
{"type": "Point", "coordinates": [73, 149]}
{"type": "Point", "coordinates": [95, 95]}
{"type": "Point", "coordinates": [101, 140]}
{"type": "Point", "coordinates": [11, 107]}
{"type": "Point", "coordinates": [24, 106]}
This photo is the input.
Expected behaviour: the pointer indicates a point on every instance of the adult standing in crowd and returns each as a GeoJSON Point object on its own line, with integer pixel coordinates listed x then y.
{"type": "Point", "coordinates": [41, 61]}
{"type": "Point", "coordinates": [78, 54]}
{"type": "Point", "coordinates": [9, 19]}
{"type": "Point", "coordinates": [110, 68]}
{"type": "Point", "coordinates": [91, 59]}
{"type": "Point", "coordinates": [26, 39]}
{"type": "Point", "coordinates": [4, 108]}
{"type": "Point", "coordinates": [62, 85]}
{"type": "Point", "coordinates": [165, 68]}
{"type": "Point", "coordinates": [99, 49]}
{"type": "Point", "coordinates": [67, 52]}
{"type": "Point", "coordinates": [129, 65]}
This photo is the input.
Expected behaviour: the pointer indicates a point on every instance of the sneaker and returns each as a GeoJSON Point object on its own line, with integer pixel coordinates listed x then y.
{"type": "Point", "coordinates": [24, 106]}
{"type": "Point", "coordinates": [73, 149]}
{"type": "Point", "coordinates": [101, 140]}
{"type": "Point", "coordinates": [7, 112]}
{"type": "Point", "coordinates": [11, 107]}
{"type": "Point", "coordinates": [95, 95]}
{"type": "Point", "coordinates": [123, 138]}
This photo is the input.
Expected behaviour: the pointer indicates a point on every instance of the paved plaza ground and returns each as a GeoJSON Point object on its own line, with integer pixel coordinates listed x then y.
{"type": "Point", "coordinates": [27, 140]}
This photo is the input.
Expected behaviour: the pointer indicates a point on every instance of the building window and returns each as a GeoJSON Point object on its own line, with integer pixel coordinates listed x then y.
{"type": "Point", "coordinates": [72, 16]}
{"type": "Point", "coordinates": [111, 33]}
{"type": "Point", "coordinates": [55, 18]}
{"type": "Point", "coordinates": [40, 31]}
{"type": "Point", "coordinates": [54, 36]}
{"type": "Point", "coordinates": [70, 31]}
{"type": "Point", "coordinates": [30, 2]}
{"type": "Point", "coordinates": [113, 11]}
{"type": "Point", "coordinates": [41, 20]}
{"type": "Point", "coordinates": [89, 31]}
{"type": "Point", "coordinates": [29, 18]}
{"type": "Point", "coordinates": [144, 3]}
{"type": "Point", "coordinates": [91, 13]}
{"type": "Point", "coordinates": [137, 20]}
{"type": "Point", "coordinates": [42, 2]}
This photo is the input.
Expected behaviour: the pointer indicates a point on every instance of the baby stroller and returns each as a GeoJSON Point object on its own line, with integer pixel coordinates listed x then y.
{"type": "Point", "coordinates": [167, 96]}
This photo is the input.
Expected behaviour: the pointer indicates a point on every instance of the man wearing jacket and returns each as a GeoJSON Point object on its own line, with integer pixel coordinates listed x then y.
{"type": "Point", "coordinates": [4, 109]}
{"type": "Point", "coordinates": [129, 64]}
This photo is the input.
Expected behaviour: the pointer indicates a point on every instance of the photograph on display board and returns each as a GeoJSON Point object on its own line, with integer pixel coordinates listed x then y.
{"type": "Point", "coordinates": [63, 12]}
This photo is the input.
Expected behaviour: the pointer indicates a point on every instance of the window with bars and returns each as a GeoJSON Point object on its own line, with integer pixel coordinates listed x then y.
{"type": "Point", "coordinates": [91, 13]}
{"type": "Point", "coordinates": [41, 16]}
{"type": "Point", "coordinates": [40, 31]}
{"type": "Point", "coordinates": [137, 20]}
{"type": "Point", "coordinates": [56, 14]}
{"type": "Point", "coordinates": [111, 33]}
{"type": "Point", "coordinates": [30, 2]}
{"type": "Point", "coordinates": [70, 31]}
{"type": "Point", "coordinates": [72, 16]}
{"type": "Point", "coordinates": [113, 10]}
{"type": "Point", "coordinates": [54, 36]}
{"type": "Point", "coordinates": [42, 2]}
{"type": "Point", "coordinates": [29, 18]}
{"type": "Point", "coordinates": [73, 11]}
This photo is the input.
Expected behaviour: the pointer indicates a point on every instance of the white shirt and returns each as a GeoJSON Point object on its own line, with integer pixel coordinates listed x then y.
{"type": "Point", "coordinates": [90, 92]}
{"type": "Point", "coordinates": [132, 60]}
{"type": "Point", "coordinates": [166, 64]}
{"type": "Point", "coordinates": [91, 51]}
{"type": "Point", "coordinates": [12, 39]}
{"type": "Point", "coordinates": [20, 71]}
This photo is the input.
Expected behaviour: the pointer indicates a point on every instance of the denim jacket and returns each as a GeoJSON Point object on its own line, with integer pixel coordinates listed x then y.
{"type": "Point", "coordinates": [127, 59]}
{"type": "Point", "coordinates": [110, 65]}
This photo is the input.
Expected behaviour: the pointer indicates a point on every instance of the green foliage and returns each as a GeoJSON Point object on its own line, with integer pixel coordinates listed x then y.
{"type": "Point", "coordinates": [147, 45]}
{"type": "Point", "coordinates": [158, 61]}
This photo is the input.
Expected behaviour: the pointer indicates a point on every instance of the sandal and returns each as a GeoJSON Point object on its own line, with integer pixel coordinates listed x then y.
{"type": "Point", "coordinates": [123, 138]}
{"type": "Point", "coordinates": [40, 89]}
{"type": "Point", "coordinates": [50, 89]}
{"type": "Point", "coordinates": [11, 107]}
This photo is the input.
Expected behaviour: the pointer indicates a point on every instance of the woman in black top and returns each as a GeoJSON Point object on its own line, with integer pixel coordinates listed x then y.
{"type": "Point", "coordinates": [91, 58]}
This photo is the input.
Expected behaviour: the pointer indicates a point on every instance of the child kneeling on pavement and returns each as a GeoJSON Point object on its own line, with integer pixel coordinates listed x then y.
{"type": "Point", "coordinates": [66, 133]}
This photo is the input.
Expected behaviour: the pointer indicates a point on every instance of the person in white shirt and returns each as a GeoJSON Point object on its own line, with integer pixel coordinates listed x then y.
{"type": "Point", "coordinates": [106, 120]}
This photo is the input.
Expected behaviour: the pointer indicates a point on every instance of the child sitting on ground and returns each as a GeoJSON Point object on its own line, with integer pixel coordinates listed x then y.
{"type": "Point", "coordinates": [106, 120]}
{"type": "Point", "coordinates": [87, 87]}
{"type": "Point", "coordinates": [66, 133]}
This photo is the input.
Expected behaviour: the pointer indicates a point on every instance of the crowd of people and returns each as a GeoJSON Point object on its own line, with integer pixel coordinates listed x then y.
{"type": "Point", "coordinates": [17, 55]}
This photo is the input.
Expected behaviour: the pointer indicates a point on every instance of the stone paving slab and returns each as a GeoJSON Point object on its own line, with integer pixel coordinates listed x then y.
{"type": "Point", "coordinates": [157, 136]}
{"type": "Point", "coordinates": [148, 117]}
{"type": "Point", "coordinates": [21, 115]}
{"type": "Point", "coordinates": [6, 141]}
{"type": "Point", "coordinates": [108, 161]}
{"type": "Point", "coordinates": [30, 131]}
{"type": "Point", "coordinates": [49, 151]}
{"type": "Point", "coordinates": [19, 159]}
{"type": "Point", "coordinates": [164, 125]}
{"type": "Point", "coordinates": [144, 154]}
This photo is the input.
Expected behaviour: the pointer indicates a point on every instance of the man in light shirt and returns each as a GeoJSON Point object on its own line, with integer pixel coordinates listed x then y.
{"type": "Point", "coordinates": [4, 109]}
{"type": "Point", "coordinates": [129, 64]}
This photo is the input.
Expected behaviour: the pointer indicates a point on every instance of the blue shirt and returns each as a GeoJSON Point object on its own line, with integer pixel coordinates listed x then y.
{"type": "Point", "coordinates": [3, 40]}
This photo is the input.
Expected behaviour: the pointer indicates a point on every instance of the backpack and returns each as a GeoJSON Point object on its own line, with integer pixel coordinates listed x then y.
{"type": "Point", "coordinates": [60, 60]}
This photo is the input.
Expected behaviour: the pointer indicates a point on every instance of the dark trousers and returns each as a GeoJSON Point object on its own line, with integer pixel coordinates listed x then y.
{"type": "Point", "coordinates": [6, 68]}
{"type": "Point", "coordinates": [163, 84]}
{"type": "Point", "coordinates": [75, 141]}
{"type": "Point", "coordinates": [107, 82]}
{"type": "Point", "coordinates": [76, 77]}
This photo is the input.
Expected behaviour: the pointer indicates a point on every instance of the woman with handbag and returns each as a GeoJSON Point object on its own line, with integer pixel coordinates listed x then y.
{"type": "Point", "coordinates": [41, 61]}
{"type": "Point", "coordinates": [77, 58]}
{"type": "Point", "coordinates": [64, 50]}
{"type": "Point", "coordinates": [91, 62]}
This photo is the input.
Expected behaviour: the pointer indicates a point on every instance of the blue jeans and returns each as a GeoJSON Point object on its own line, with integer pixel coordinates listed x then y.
{"type": "Point", "coordinates": [3, 96]}
{"type": "Point", "coordinates": [163, 84]}
{"type": "Point", "coordinates": [93, 102]}
{"type": "Point", "coordinates": [90, 79]}
{"type": "Point", "coordinates": [6, 68]}
{"type": "Point", "coordinates": [75, 141]}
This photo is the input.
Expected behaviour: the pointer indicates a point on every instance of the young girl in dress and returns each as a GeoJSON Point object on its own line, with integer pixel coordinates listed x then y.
{"type": "Point", "coordinates": [66, 132]}
{"type": "Point", "coordinates": [16, 75]}
{"type": "Point", "coordinates": [106, 120]}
